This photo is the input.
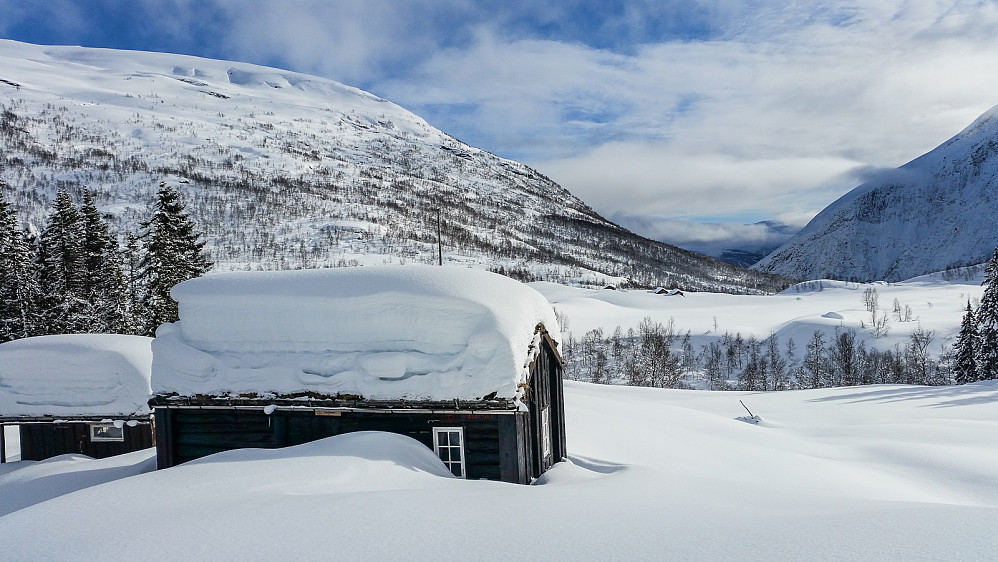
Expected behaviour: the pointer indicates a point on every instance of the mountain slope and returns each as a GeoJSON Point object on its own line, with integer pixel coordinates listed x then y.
{"type": "Point", "coordinates": [935, 212]}
{"type": "Point", "coordinates": [285, 170]}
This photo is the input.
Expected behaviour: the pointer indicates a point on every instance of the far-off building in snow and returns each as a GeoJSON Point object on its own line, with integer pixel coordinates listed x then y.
{"type": "Point", "coordinates": [458, 359]}
{"type": "Point", "coordinates": [77, 393]}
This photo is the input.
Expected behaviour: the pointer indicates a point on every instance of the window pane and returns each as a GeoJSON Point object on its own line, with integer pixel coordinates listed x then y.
{"type": "Point", "coordinates": [455, 454]}
{"type": "Point", "coordinates": [442, 438]}
{"type": "Point", "coordinates": [455, 469]}
{"type": "Point", "coordinates": [455, 438]}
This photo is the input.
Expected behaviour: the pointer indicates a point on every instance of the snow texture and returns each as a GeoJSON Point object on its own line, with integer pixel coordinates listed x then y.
{"type": "Point", "coordinates": [29, 482]}
{"type": "Point", "coordinates": [862, 473]}
{"type": "Point", "coordinates": [391, 332]}
{"type": "Point", "coordinates": [75, 375]}
{"type": "Point", "coordinates": [934, 212]}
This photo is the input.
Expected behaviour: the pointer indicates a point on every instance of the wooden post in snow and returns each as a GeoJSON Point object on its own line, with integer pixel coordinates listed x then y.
{"type": "Point", "coordinates": [440, 249]}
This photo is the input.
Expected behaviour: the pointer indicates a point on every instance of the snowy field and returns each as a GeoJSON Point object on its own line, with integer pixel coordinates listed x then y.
{"type": "Point", "coordinates": [862, 473]}
{"type": "Point", "coordinates": [930, 303]}
{"type": "Point", "coordinates": [883, 472]}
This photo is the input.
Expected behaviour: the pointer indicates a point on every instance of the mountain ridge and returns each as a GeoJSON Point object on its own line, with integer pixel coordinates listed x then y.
{"type": "Point", "coordinates": [934, 213]}
{"type": "Point", "coordinates": [286, 170]}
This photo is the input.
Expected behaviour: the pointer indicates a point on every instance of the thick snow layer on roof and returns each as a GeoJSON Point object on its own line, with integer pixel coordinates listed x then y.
{"type": "Point", "coordinates": [412, 332]}
{"type": "Point", "coordinates": [75, 375]}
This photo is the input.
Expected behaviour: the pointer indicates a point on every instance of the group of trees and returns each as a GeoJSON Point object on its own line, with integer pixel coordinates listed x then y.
{"type": "Point", "coordinates": [657, 355]}
{"type": "Point", "coordinates": [977, 345]}
{"type": "Point", "coordinates": [75, 277]}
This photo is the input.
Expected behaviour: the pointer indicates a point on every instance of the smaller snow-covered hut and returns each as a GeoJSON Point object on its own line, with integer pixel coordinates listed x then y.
{"type": "Point", "coordinates": [77, 393]}
{"type": "Point", "coordinates": [668, 292]}
{"type": "Point", "coordinates": [458, 359]}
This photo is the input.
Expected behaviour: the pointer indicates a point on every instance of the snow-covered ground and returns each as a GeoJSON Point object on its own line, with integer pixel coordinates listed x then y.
{"type": "Point", "coordinates": [862, 473]}
{"type": "Point", "coordinates": [859, 473]}
{"type": "Point", "coordinates": [29, 482]}
{"type": "Point", "coordinates": [931, 303]}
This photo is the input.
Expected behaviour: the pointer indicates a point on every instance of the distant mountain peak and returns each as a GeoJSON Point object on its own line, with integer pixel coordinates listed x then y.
{"type": "Point", "coordinates": [936, 212]}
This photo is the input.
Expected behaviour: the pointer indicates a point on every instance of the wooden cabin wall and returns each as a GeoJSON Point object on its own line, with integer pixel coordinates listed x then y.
{"type": "Point", "coordinates": [546, 391]}
{"type": "Point", "coordinates": [40, 441]}
{"type": "Point", "coordinates": [185, 434]}
{"type": "Point", "coordinates": [555, 374]}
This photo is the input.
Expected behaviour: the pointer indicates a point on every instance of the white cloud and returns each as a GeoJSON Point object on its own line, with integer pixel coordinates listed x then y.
{"type": "Point", "coordinates": [771, 119]}
{"type": "Point", "coordinates": [773, 111]}
{"type": "Point", "coordinates": [660, 179]}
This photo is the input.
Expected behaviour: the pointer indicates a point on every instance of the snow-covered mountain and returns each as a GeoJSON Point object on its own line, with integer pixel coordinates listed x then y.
{"type": "Point", "coordinates": [935, 212]}
{"type": "Point", "coordinates": [285, 170]}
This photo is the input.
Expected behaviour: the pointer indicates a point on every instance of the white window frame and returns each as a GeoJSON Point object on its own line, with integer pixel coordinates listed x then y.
{"type": "Point", "coordinates": [96, 426]}
{"type": "Point", "coordinates": [546, 449]}
{"type": "Point", "coordinates": [450, 464]}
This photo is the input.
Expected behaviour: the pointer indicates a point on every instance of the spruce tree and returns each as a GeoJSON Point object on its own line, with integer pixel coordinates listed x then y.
{"type": "Point", "coordinates": [61, 269]}
{"type": "Point", "coordinates": [19, 293]}
{"type": "Point", "coordinates": [987, 324]}
{"type": "Point", "coordinates": [965, 369]}
{"type": "Point", "coordinates": [103, 283]}
{"type": "Point", "coordinates": [174, 253]}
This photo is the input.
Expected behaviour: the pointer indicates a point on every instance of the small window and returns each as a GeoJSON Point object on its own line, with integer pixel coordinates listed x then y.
{"type": "Point", "coordinates": [546, 432]}
{"type": "Point", "coordinates": [106, 432]}
{"type": "Point", "coordinates": [448, 444]}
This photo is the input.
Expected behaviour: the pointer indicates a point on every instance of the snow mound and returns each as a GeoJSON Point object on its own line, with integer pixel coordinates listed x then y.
{"type": "Point", "coordinates": [886, 472]}
{"type": "Point", "coordinates": [392, 332]}
{"type": "Point", "coordinates": [75, 375]}
{"type": "Point", "coordinates": [368, 448]}
{"type": "Point", "coordinates": [26, 483]}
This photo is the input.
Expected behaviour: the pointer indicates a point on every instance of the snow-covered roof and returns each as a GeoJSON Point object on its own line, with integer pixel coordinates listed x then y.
{"type": "Point", "coordinates": [74, 375]}
{"type": "Point", "coordinates": [390, 332]}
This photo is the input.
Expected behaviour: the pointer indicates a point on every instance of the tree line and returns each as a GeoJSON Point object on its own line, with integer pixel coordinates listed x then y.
{"type": "Point", "coordinates": [660, 355]}
{"type": "Point", "coordinates": [76, 276]}
{"type": "Point", "coordinates": [976, 347]}
{"type": "Point", "coordinates": [655, 355]}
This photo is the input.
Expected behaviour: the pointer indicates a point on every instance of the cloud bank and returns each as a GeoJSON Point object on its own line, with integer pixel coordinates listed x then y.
{"type": "Point", "coordinates": [703, 111]}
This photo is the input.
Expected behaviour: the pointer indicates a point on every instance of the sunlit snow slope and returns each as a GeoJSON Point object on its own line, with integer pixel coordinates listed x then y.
{"type": "Point", "coordinates": [284, 170]}
{"type": "Point", "coordinates": [934, 212]}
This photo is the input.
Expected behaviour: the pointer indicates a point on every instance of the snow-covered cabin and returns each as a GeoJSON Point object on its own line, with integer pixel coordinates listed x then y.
{"type": "Point", "coordinates": [77, 393]}
{"type": "Point", "coordinates": [668, 292]}
{"type": "Point", "coordinates": [459, 359]}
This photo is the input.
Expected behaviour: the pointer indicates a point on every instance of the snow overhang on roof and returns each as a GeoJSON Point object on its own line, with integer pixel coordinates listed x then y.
{"type": "Point", "coordinates": [75, 375]}
{"type": "Point", "coordinates": [381, 333]}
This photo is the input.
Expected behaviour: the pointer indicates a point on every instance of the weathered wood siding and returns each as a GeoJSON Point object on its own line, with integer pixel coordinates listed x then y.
{"type": "Point", "coordinates": [40, 441]}
{"type": "Point", "coordinates": [546, 391]}
{"type": "Point", "coordinates": [184, 434]}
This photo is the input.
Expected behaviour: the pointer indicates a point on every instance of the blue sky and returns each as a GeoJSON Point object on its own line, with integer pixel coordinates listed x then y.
{"type": "Point", "coordinates": [680, 118]}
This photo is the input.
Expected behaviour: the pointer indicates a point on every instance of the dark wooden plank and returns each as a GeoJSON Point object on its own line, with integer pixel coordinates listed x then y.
{"type": "Point", "coordinates": [162, 421]}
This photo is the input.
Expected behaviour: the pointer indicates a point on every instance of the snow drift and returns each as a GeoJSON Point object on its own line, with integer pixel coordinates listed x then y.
{"type": "Point", "coordinates": [863, 473]}
{"type": "Point", "coordinates": [75, 375]}
{"type": "Point", "coordinates": [412, 332]}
